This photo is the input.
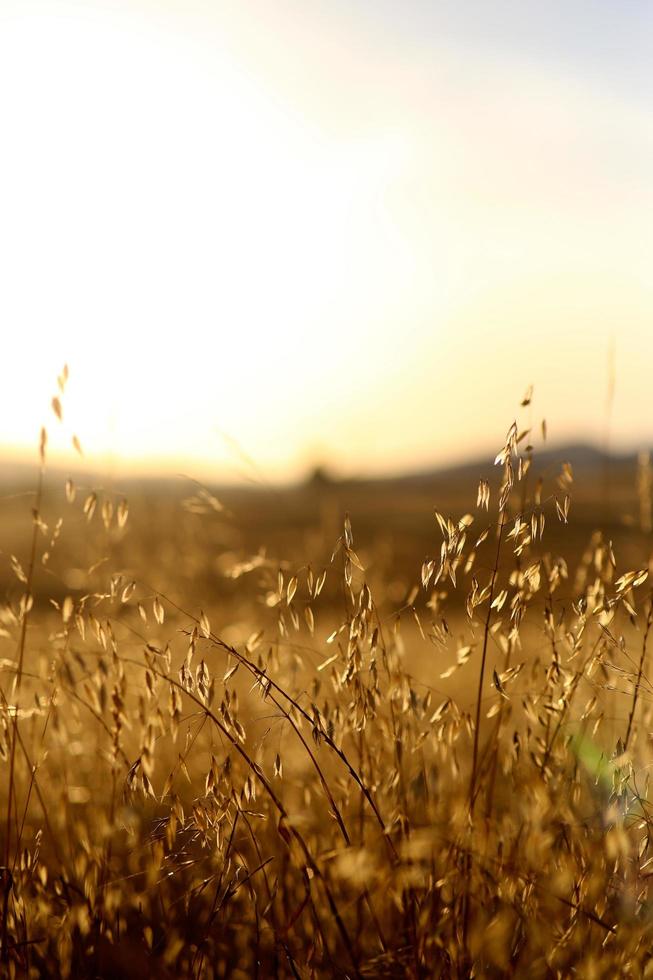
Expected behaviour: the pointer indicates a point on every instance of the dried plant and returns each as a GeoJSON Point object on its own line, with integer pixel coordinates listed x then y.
{"type": "Point", "coordinates": [315, 779]}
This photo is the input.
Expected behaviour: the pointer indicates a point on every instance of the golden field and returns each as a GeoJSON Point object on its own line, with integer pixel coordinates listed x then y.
{"type": "Point", "coordinates": [387, 728]}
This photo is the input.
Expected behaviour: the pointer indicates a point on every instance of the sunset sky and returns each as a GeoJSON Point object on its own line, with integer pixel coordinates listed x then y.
{"type": "Point", "coordinates": [350, 232]}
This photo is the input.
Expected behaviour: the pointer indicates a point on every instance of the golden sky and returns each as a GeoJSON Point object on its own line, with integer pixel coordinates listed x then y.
{"type": "Point", "coordinates": [343, 232]}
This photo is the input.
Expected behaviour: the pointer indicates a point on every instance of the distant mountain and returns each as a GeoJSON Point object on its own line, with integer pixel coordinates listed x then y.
{"type": "Point", "coordinates": [585, 459]}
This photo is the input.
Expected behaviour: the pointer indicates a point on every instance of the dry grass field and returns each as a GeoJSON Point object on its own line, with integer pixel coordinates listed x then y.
{"type": "Point", "coordinates": [363, 729]}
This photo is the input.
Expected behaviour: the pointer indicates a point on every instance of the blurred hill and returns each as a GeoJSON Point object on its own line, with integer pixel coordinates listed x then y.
{"type": "Point", "coordinates": [191, 536]}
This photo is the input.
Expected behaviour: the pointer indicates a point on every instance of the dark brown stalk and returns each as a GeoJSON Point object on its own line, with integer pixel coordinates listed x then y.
{"type": "Point", "coordinates": [278, 941]}
{"type": "Point", "coordinates": [336, 813]}
{"type": "Point", "coordinates": [218, 887]}
{"type": "Point", "coordinates": [473, 789]}
{"type": "Point", "coordinates": [410, 899]}
{"type": "Point", "coordinates": [30, 787]}
{"type": "Point", "coordinates": [481, 677]}
{"type": "Point", "coordinates": [640, 674]}
{"type": "Point", "coordinates": [565, 708]}
{"type": "Point", "coordinates": [334, 807]}
{"type": "Point", "coordinates": [19, 677]}
{"type": "Point", "coordinates": [265, 679]}
{"type": "Point", "coordinates": [288, 827]}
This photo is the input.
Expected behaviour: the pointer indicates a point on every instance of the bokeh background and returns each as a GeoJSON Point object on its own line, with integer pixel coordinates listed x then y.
{"type": "Point", "coordinates": [271, 236]}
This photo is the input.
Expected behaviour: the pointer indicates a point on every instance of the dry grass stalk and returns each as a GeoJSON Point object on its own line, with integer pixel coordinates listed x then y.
{"type": "Point", "coordinates": [288, 784]}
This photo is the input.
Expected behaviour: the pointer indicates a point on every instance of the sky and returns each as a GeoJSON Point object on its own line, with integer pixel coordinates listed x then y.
{"type": "Point", "coordinates": [270, 235]}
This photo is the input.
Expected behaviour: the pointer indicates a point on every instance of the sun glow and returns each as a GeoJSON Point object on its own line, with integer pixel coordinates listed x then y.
{"type": "Point", "coordinates": [177, 237]}
{"type": "Point", "coordinates": [314, 241]}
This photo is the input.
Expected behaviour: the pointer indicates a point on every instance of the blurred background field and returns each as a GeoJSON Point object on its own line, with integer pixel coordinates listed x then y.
{"type": "Point", "coordinates": [195, 534]}
{"type": "Point", "coordinates": [218, 683]}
